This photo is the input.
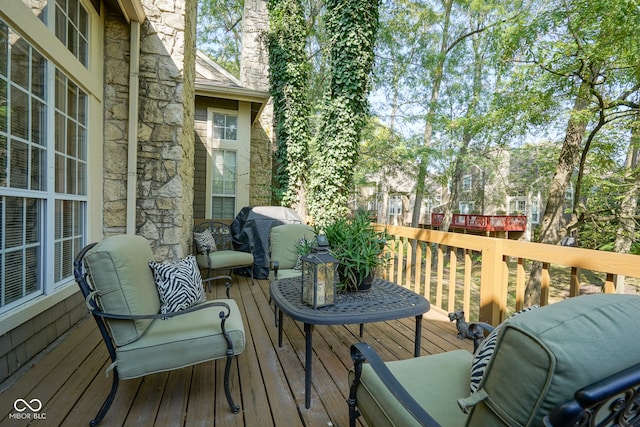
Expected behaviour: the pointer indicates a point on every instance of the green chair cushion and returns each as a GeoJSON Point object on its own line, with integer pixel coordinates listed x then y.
{"type": "Point", "coordinates": [118, 269]}
{"type": "Point", "coordinates": [181, 341]}
{"type": "Point", "coordinates": [284, 274]}
{"type": "Point", "coordinates": [435, 382]}
{"type": "Point", "coordinates": [282, 243]}
{"type": "Point", "coordinates": [543, 356]}
{"type": "Point", "coordinates": [225, 259]}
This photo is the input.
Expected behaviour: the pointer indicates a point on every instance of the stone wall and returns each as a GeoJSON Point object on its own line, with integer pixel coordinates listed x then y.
{"type": "Point", "coordinates": [254, 74]}
{"type": "Point", "coordinates": [165, 129]}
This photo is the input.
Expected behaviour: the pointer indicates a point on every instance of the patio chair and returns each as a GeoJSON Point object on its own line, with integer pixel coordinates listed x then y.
{"type": "Point", "coordinates": [153, 317]}
{"type": "Point", "coordinates": [283, 243]}
{"type": "Point", "coordinates": [558, 366]}
{"type": "Point", "coordinates": [213, 242]}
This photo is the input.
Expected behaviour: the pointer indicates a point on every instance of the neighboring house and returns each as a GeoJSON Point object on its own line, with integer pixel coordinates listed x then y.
{"type": "Point", "coordinates": [501, 187]}
{"type": "Point", "coordinates": [97, 119]}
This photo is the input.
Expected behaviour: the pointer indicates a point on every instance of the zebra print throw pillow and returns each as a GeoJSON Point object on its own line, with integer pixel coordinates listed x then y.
{"type": "Point", "coordinates": [484, 353]}
{"type": "Point", "coordinates": [179, 284]}
{"type": "Point", "coordinates": [204, 241]}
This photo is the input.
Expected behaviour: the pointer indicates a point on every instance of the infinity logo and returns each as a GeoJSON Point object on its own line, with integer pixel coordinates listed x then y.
{"type": "Point", "coordinates": [21, 405]}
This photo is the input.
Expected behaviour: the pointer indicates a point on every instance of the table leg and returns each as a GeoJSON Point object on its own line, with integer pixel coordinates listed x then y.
{"type": "Point", "coordinates": [280, 316]}
{"type": "Point", "coordinates": [361, 329]}
{"type": "Point", "coordinates": [416, 349]}
{"type": "Point", "coordinates": [308, 332]}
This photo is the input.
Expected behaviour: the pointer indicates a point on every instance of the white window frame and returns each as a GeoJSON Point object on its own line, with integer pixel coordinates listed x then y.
{"type": "Point", "coordinates": [466, 207]}
{"type": "Point", "coordinates": [395, 204]}
{"type": "Point", "coordinates": [28, 26]}
{"type": "Point", "coordinates": [240, 145]}
{"type": "Point", "coordinates": [467, 183]}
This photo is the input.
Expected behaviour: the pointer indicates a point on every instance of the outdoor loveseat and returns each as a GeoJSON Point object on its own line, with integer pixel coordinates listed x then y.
{"type": "Point", "coordinates": [586, 344]}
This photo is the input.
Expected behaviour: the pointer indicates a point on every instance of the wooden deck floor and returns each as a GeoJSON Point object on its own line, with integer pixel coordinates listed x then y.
{"type": "Point", "coordinates": [267, 381]}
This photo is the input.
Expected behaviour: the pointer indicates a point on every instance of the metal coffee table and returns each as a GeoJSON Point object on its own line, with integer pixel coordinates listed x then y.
{"type": "Point", "coordinates": [384, 301]}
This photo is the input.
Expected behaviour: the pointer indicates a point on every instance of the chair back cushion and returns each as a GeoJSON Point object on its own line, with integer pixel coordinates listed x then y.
{"type": "Point", "coordinates": [544, 356]}
{"type": "Point", "coordinates": [284, 240]}
{"type": "Point", "coordinates": [118, 269]}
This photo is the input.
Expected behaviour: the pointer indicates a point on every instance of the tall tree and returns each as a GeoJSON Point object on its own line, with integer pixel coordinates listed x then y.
{"type": "Point", "coordinates": [352, 25]}
{"type": "Point", "coordinates": [289, 71]}
{"type": "Point", "coordinates": [577, 50]}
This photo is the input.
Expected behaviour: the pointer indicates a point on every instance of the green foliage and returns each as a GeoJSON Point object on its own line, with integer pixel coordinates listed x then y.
{"type": "Point", "coordinates": [353, 26]}
{"type": "Point", "coordinates": [219, 32]}
{"type": "Point", "coordinates": [289, 75]}
{"type": "Point", "coordinates": [358, 246]}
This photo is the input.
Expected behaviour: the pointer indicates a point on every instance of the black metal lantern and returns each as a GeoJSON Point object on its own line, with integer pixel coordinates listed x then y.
{"type": "Point", "coordinates": [319, 275]}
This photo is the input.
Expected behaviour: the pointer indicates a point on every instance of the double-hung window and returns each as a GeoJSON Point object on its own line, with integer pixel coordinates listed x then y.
{"type": "Point", "coordinates": [224, 163]}
{"type": "Point", "coordinates": [43, 156]}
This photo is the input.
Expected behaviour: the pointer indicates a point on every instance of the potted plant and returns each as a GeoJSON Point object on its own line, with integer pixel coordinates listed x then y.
{"type": "Point", "coordinates": [359, 248]}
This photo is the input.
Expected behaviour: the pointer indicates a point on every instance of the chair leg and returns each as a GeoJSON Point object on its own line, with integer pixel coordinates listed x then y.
{"type": "Point", "coordinates": [107, 403]}
{"type": "Point", "coordinates": [234, 408]}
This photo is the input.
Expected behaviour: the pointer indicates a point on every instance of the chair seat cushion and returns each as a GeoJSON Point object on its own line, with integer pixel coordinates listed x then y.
{"type": "Point", "coordinates": [181, 341]}
{"type": "Point", "coordinates": [284, 274]}
{"type": "Point", "coordinates": [435, 382]}
{"type": "Point", "coordinates": [225, 259]}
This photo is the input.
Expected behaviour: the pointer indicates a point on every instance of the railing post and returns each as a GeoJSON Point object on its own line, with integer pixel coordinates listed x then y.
{"type": "Point", "coordinates": [492, 305]}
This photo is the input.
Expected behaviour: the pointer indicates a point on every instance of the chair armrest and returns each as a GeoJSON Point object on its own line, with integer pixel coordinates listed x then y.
{"type": "Point", "coordinates": [92, 305]}
{"type": "Point", "coordinates": [361, 352]}
{"type": "Point", "coordinates": [276, 266]}
{"type": "Point", "coordinates": [477, 332]}
{"type": "Point", "coordinates": [593, 402]}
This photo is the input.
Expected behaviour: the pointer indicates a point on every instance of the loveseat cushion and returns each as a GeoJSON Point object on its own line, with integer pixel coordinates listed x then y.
{"type": "Point", "coordinates": [543, 356]}
{"type": "Point", "coordinates": [118, 269]}
{"type": "Point", "coordinates": [434, 381]}
{"type": "Point", "coordinates": [181, 341]}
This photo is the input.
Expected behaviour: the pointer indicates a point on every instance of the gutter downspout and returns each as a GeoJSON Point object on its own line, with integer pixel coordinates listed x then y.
{"type": "Point", "coordinates": [132, 137]}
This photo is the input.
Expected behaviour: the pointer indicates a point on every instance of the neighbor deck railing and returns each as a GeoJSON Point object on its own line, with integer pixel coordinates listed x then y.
{"type": "Point", "coordinates": [486, 277]}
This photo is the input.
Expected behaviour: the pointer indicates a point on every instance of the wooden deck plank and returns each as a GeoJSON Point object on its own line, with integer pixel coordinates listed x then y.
{"type": "Point", "coordinates": [266, 381]}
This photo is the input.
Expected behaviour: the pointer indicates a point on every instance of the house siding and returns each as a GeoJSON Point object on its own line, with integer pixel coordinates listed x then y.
{"type": "Point", "coordinates": [24, 342]}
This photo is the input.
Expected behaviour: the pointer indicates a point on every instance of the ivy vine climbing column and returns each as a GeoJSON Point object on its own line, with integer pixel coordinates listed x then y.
{"type": "Point", "coordinates": [289, 76]}
{"type": "Point", "coordinates": [353, 26]}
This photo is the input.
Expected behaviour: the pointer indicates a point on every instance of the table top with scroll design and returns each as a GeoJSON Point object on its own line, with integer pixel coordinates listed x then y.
{"type": "Point", "coordinates": [384, 301]}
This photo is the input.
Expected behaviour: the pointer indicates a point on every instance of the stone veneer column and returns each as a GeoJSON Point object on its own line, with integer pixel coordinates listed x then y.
{"type": "Point", "coordinates": [166, 121]}
{"type": "Point", "coordinates": [165, 128]}
{"type": "Point", "coordinates": [254, 74]}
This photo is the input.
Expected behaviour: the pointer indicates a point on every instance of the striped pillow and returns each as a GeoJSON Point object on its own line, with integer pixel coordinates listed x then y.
{"type": "Point", "coordinates": [485, 351]}
{"type": "Point", "coordinates": [179, 284]}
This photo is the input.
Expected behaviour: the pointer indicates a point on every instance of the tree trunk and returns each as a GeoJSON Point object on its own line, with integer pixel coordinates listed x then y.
{"type": "Point", "coordinates": [433, 102]}
{"type": "Point", "coordinates": [629, 203]}
{"type": "Point", "coordinates": [569, 157]}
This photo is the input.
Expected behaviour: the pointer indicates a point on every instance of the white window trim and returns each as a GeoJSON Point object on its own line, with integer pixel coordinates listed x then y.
{"type": "Point", "coordinates": [20, 18]}
{"type": "Point", "coordinates": [242, 147]}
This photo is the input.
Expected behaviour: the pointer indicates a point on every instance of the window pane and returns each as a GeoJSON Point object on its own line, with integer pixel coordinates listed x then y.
{"type": "Point", "coordinates": [19, 169]}
{"type": "Point", "coordinates": [19, 112]}
{"type": "Point", "coordinates": [4, 49]}
{"type": "Point", "coordinates": [38, 63]}
{"type": "Point", "coordinates": [38, 122]}
{"type": "Point", "coordinates": [38, 169]}
{"type": "Point", "coordinates": [3, 164]}
{"type": "Point", "coordinates": [20, 62]}
{"type": "Point", "coordinates": [4, 109]}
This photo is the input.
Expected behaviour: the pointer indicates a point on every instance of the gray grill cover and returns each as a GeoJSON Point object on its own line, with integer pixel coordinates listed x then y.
{"type": "Point", "coordinates": [253, 225]}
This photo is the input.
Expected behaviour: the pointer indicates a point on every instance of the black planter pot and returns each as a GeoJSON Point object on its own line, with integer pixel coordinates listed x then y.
{"type": "Point", "coordinates": [363, 285]}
